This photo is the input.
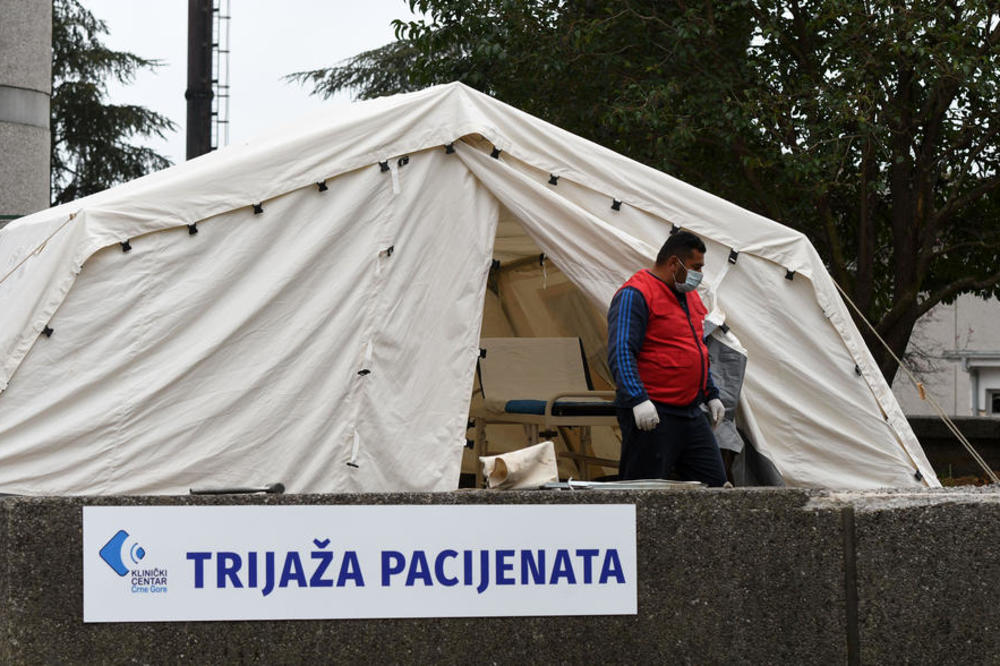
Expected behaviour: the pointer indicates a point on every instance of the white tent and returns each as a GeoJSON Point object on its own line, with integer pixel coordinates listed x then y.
{"type": "Point", "coordinates": [306, 308]}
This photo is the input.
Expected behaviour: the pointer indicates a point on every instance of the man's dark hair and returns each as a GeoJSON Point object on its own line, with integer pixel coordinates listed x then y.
{"type": "Point", "coordinates": [679, 245]}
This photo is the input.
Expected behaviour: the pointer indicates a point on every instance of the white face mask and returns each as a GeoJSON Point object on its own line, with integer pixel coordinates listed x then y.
{"type": "Point", "coordinates": [690, 284]}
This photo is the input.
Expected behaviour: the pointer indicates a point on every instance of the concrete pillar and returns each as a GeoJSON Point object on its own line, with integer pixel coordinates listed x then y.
{"type": "Point", "coordinates": [25, 89]}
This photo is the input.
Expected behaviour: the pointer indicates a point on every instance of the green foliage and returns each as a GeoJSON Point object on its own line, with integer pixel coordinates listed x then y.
{"type": "Point", "coordinates": [91, 139]}
{"type": "Point", "coordinates": [870, 127]}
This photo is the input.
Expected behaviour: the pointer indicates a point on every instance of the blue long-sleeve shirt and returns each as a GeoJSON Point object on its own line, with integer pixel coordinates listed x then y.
{"type": "Point", "coordinates": [627, 319]}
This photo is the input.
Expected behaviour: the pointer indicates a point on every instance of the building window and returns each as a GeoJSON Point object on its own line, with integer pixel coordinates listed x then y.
{"type": "Point", "coordinates": [993, 400]}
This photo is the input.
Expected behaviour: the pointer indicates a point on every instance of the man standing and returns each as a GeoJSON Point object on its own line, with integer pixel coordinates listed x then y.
{"type": "Point", "coordinates": [658, 356]}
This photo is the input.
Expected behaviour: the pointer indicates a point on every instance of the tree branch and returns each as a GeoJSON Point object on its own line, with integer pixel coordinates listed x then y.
{"type": "Point", "coordinates": [903, 303]}
{"type": "Point", "coordinates": [954, 289]}
{"type": "Point", "coordinates": [975, 193]}
{"type": "Point", "coordinates": [992, 38]}
{"type": "Point", "coordinates": [937, 254]}
{"type": "Point", "coordinates": [836, 248]}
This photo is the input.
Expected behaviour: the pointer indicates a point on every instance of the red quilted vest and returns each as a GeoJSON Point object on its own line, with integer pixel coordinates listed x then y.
{"type": "Point", "coordinates": [673, 361]}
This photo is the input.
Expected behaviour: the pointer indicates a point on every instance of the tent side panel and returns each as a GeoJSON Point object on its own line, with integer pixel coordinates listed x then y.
{"type": "Point", "coordinates": [822, 422]}
{"type": "Point", "coordinates": [231, 357]}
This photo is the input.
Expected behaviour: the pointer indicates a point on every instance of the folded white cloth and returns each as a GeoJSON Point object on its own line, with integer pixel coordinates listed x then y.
{"type": "Point", "coordinates": [529, 467]}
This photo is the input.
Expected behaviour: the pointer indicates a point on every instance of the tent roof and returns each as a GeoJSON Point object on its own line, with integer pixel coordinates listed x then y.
{"type": "Point", "coordinates": [326, 144]}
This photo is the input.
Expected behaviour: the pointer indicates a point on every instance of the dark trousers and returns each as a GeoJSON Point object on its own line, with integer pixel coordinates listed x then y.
{"type": "Point", "coordinates": [684, 444]}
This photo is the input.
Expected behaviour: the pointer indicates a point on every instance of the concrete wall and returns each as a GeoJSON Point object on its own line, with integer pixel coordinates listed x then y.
{"type": "Point", "coordinates": [25, 86]}
{"type": "Point", "coordinates": [735, 576]}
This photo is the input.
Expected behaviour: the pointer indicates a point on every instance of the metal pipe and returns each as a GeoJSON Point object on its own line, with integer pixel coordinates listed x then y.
{"type": "Point", "coordinates": [974, 373]}
{"type": "Point", "coordinates": [199, 81]}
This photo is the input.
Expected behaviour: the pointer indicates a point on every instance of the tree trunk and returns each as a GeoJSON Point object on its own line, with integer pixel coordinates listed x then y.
{"type": "Point", "coordinates": [897, 337]}
{"type": "Point", "coordinates": [864, 285]}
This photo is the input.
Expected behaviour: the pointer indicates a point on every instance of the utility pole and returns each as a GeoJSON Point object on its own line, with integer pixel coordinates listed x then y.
{"type": "Point", "coordinates": [199, 86]}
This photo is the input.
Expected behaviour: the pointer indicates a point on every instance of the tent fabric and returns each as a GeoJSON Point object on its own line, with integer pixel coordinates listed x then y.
{"type": "Point", "coordinates": [540, 301]}
{"type": "Point", "coordinates": [536, 367]}
{"type": "Point", "coordinates": [232, 357]}
{"type": "Point", "coordinates": [236, 355]}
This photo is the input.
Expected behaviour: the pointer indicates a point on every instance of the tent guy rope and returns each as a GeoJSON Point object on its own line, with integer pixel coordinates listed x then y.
{"type": "Point", "coordinates": [924, 395]}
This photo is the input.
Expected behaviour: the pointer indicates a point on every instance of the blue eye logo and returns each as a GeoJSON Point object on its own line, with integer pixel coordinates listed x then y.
{"type": "Point", "coordinates": [114, 552]}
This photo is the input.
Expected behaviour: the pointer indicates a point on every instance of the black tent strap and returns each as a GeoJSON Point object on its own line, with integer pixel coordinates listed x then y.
{"type": "Point", "coordinates": [553, 179]}
{"type": "Point", "coordinates": [258, 208]}
{"type": "Point", "coordinates": [496, 153]}
{"type": "Point", "coordinates": [364, 372]}
{"type": "Point", "coordinates": [450, 148]}
{"type": "Point", "coordinates": [384, 165]}
{"type": "Point", "coordinates": [495, 265]}
{"type": "Point", "coordinates": [126, 245]}
{"type": "Point", "coordinates": [616, 204]}
{"type": "Point", "coordinates": [322, 186]}
{"type": "Point", "coordinates": [388, 251]}
{"type": "Point", "coordinates": [354, 465]}
{"type": "Point", "coordinates": [47, 331]}
{"type": "Point", "coordinates": [192, 229]}
{"type": "Point", "coordinates": [482, 352]}
{"type": "Point", "coordinates": [733, 256]}
{"type": "Point", "coordinates": [724, 327]}
{"type": "Point", "coordinates": [674, 229]}
{"type": "Point", "coordinates": [789, 274]}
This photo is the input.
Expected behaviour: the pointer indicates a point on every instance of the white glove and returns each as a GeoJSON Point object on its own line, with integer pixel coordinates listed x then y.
{"type": "Point", "coordinates": [645, 415]}
{"type": "Point", "coordinates": [716, 411]}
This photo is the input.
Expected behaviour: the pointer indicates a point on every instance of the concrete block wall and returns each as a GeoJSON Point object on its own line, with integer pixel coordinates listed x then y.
{"type": "Point", "coordinates": [927, 574]}
{"type": "Point", "coordinates": [734, 576]}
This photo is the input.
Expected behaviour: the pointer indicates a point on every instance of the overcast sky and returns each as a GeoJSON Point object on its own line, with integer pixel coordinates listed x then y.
{"type": "Point", "coordinates": [268, 39]}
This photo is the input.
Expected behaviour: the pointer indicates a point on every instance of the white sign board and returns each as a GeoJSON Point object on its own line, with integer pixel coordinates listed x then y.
{"type": "Point", "coordinates": [166, 563]}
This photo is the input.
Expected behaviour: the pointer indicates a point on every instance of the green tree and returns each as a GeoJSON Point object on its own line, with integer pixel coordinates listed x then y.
{"type": "Point", "coordinates": [871, 127]}
{"type": "Point", "coordinates": [92, 145]}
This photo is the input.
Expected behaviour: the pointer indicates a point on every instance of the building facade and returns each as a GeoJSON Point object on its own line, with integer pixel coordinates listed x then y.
{"type": "Point", "coordinates": [955, 351]}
